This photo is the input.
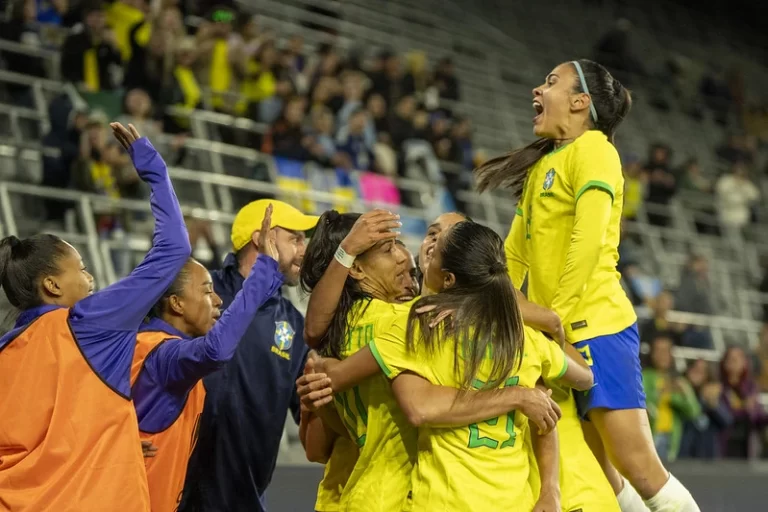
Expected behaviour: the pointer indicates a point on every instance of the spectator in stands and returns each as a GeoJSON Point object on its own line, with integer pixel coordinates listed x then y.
{"type": "Point", "coordinates": [614, 50]}
{"type": "Point", "coordinates": [416, 80]}
{"type": "Point", "coordinates": [259, 84]}
{"type": "Point", "coordinates": [670, 400]}
{"type": "Point", "coordinates": [154, 47]}
{"type": "Point", "coordinates": [287, 138]}
{"type": "Point", "coordinates": [326, 94]}
{"type": "Point", "coordinates": [696, 295]}
{"type": "Point", "coordinates": [353, 90]}
{"type": "Point", "coordinates": [200, 230]}
{"type": "Point", "coordinates": [402, 122]}
{"type": "Point", "coordinates": [88, 57]}
{"type": "Point", "coordinates": [21, 27]}
{"type": "Point", "coordinates": [762, 358]}
{"type": "Point", "coordinates": [445, 80]}
{"type": "Point", "coordinates": [659, 325]}
{"type": "Point", "coordinates": [327, 64]}
{"type": "Point", "coordinates": [736, 195]}
{"type": "Point", "coordinates": [137, 110]}
{"type": "Point", "coordinates": [635, 180]}
{"type": "Point", "coordinates": [56, 13]}
{"type": "Point", "coordinates": [716, 93]}
{"type": "Point", "coordinates": [352, 141]}
{"type": "Point", "coordinates": [741, 440]}
{"type": "Point", "coordinates": [322, 131]}
{"type": "Point", "coordinates": [662, 184]}
{"type": "Point", "coordinates": [389, 81]}
{"type": "Point", "coordinates": [216, 58]}
{"type": "Point", "coordinates": [67, 125]}
{"type": "Point", "coordinates": [461, 133]}
{"type": "Point", "coordinates": [691, 179]}
{"type": "Point", "coordinates": [182, 88]}
{"type": "Point", "coordinates": [377, 110]}
{"type": "Point", "coordinates": [122, 16]}
{"type": "Point", "coordinates": [701, 434]}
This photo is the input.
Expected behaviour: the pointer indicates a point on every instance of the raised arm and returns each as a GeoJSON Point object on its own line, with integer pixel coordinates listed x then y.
{"type": "Point", "coordinates": [370, 228]}
{"type": "Point", "coordinates": [123, 305]}
{"type": "Point", "coordinates": [178, 364]}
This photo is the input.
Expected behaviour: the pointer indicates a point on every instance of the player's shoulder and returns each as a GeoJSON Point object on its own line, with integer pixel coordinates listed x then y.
{"type": "Point", "coordinates": [594, 144]}
{"type": "Point", "coordinates": [386, 314]}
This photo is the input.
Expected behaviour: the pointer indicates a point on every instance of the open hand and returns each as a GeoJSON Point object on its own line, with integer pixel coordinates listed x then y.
{"type": "Point", "coordinates": [268, 236]}
{"type": "Point", "coordinates": [539, 407]}
{"type": "Point", "coordinates": [125, 136]}
{"type": "Point", "coordinates": [371, 228]}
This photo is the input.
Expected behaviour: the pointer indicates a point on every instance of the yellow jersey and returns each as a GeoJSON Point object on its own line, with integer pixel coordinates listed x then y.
{"type": "Point", "coordinates": [381, 479]}
{"type": "Point", "coordinates": [337, 471]}
{"type": "Point", "coordinates": [583, 485]}
{"type": "Point", "coordinates": [478, 466]}
{"type": "Point", "coordinates": [590, 301]}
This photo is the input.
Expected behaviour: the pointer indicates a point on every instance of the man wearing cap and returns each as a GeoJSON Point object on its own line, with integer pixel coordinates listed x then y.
{"type": "Point", "coordinates": [248, 399]}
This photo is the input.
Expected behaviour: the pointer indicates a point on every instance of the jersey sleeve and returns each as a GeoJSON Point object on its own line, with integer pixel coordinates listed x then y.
{"type": "Point", "coordinates": [553, 361]}
{"type": "Point", "coordinates": [595, 165]}
{"type": "Point", "coordinates": [389, 348]}
{"type": "Point", "coordinates": [515, 249]}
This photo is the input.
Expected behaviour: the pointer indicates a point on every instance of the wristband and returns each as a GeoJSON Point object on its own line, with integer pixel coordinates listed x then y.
{"type": "Point", "coordinates": [346, 260]}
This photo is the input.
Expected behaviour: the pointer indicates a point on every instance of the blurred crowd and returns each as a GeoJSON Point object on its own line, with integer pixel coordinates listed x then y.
{"type": "Point", "coordinates": [383, 113]}
{"type": "Point", "coordinates": [703, 411]}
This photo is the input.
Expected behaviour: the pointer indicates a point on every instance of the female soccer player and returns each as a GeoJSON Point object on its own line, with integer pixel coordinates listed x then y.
{"type": "Point", "coordinates": [565, 236]}
{"type": "Point", "coordinates": [324, 445]}
{"type": "Point", "coordinates": [69, 436]}
{"type": "Point", "coordinates": [381, 478]}
{"type": "Point", "coordinates": [184, 341]}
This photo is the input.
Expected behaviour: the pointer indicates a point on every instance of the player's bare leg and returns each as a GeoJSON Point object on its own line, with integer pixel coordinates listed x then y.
{"type": "Point", "coordinates": [626, 437]}
{"type": "Point", "coordinates": [628, 498]}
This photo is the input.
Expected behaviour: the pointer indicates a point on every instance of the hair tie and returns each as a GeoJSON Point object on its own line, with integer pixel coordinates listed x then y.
{"type": "Point", "coordinates": [584, 88]}
{"type": "Point", "coordinates": [14, 241]}
{"type": "Point", "coordinates": [331, 217]}
{"type": "Point", "coordinates": [498, 267]}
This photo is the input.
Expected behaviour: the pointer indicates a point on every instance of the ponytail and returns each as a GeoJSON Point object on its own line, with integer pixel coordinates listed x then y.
{"type": "Point", "coordinates": [23, 263]}
{"type": "Point", "coordinates": [511, 170]}
{"type": "Point", "coordinates": [486, 324]}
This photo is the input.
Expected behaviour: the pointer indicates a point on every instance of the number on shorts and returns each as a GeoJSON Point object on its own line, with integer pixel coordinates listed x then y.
{"type": "Point", "coordinates": [586, 353]}
{"type": "Point", "coordinates": [476, 440]}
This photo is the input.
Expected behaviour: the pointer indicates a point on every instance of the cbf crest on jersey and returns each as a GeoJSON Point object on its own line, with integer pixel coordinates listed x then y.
{"type": "Point", "coordinates": [284, 334]}
{"type": "Point", "coordinates": [549, 179]}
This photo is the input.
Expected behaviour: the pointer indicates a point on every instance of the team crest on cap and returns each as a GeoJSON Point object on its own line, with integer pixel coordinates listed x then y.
{"type": "Point", "coordinates": [549, 179]}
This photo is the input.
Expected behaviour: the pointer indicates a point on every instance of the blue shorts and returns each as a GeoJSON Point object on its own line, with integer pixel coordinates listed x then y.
{"type": "Point", "coordinates": [615, 363]}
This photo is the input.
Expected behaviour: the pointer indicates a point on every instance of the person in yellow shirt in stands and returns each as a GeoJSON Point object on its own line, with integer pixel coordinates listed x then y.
{"type": "Point", "coordinates": [565, 238]}
{"type": "Point", "coordinates": [122, 16]}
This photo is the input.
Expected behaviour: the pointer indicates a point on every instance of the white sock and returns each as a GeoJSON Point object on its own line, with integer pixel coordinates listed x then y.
{"type": "Point", "coordinates": [629, 500]}
{"type": "Point", "coordinates": [673, 497]}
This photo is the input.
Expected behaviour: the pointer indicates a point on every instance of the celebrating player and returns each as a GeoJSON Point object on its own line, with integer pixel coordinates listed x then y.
{"type": "Point", "coordinates": [184, 341]}
{"type": "Point", "coordinates": [565, 236]}
{"type": "Point", "coordinates": [69, 435]}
